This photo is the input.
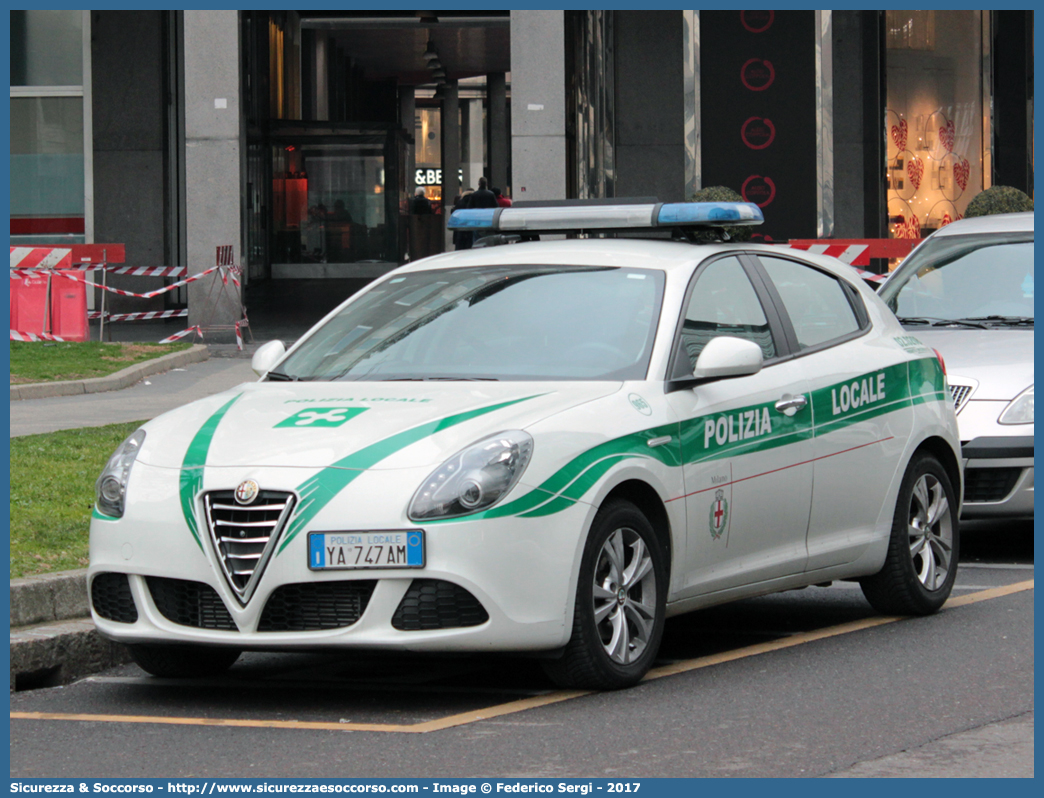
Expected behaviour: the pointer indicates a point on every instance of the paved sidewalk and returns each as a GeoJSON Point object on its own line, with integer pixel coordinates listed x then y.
{"type": "Point", "coordinates": [149, 398]}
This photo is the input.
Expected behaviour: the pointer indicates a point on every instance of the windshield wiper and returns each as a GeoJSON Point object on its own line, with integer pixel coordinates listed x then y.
{"type": "Point", "coordinates": [278, 376]}
{"type": "Point", "coordinates": [1014, 321]}
{"type": "Point", "coordinates": [440, 379]}
{"type": "Point", "coordinates": [933, 321]}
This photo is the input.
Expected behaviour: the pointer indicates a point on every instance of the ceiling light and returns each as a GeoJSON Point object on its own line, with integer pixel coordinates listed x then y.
{"type": "Point", "coordinates": [438, 73]}
{"type": "Point", "coordinates": [430, 52]}
{"type": "Point", "coordinates": [434, 63]}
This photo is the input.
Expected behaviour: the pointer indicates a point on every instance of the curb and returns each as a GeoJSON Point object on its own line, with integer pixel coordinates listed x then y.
{"type": "Point", "coordinates": [113, 382]}
{"type": "Point", "coordinates": [53, 639]}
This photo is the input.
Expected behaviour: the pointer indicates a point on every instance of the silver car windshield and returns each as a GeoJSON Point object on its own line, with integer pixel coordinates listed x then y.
{"type": "Point", "coordinates": [490, 323]}
{"type": "Point", "coordinates": [978, 280]}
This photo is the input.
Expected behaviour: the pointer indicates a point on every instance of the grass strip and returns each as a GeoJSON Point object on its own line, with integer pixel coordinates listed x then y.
{"type": "Point", "coordinates": [52, 494]}
{"type": "Point", "coordinates": [48, 361]}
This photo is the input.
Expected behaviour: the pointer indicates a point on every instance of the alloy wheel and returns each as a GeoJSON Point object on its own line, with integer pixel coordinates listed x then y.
{"type": "Point", "coordinates": [931, 532]}
{"type": "Point", "coordinates": [624, 593]}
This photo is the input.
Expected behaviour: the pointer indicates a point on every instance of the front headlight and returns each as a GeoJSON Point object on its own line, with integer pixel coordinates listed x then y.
{"type": "Point", "coordinates": [475, 478]}
{"type": "Point", "coordinates": [1020, 411]}
{"type": "Point", "coordinates": [111, 487]}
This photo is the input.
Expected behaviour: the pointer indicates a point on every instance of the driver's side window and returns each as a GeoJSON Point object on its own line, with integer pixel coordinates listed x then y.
{"type": "Point", "coordinates": [723, 302]}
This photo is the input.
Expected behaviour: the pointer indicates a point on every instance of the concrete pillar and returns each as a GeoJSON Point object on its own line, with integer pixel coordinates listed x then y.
{"type": "Point", "coordinates": [408, 117]}
{"type": "Point", "coordinates": [498, 136]}
{"type": "Point", "coordinates": [538, 94]}
{"type": "Point", "coordinates": [213, 165]}
{"type": "Point", "coordinates": [450, 153]}
{"type": "Point", "coordinates": [471, 124]}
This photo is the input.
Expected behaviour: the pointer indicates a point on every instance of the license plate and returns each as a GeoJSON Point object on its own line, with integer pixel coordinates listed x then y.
{"type": "Point", "coordinates": [355, 550]}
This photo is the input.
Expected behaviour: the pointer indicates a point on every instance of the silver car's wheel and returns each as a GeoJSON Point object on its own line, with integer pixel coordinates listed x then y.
{"type": "Point", "coordinates": [624, 593]}
{"type": "Point", "coordinates": [931, 532]}
{"type": "Point", "coordinates": [921, 564]}
{"type": "Point", "coordinates": [621, 599]}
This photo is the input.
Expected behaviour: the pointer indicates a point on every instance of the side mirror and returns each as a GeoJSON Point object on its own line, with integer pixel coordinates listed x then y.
{"type": "Point", "coordinates": [266, 356]}
{"type": "Point", "coordinates": [726, 356]}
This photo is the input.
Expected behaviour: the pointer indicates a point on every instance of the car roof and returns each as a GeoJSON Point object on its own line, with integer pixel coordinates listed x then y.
{"type": "Point", "coordinates": [995, 223]}
{"type": "Point", "coordinates": [642, 253]}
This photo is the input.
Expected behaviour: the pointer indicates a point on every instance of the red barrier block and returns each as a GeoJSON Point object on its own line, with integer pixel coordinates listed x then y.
{"type": "Point", "coordinates": [65, 315]}
{"type": "Point", "coordinates": [69, 308]}
{"type": "Point", "coordinates": [28, 304]}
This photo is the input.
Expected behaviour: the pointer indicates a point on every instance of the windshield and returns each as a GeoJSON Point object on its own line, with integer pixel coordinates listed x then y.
{"type": "Point", "coordinates": [490, 323]}
{"type": "Point", "coordinates": [983, 279]}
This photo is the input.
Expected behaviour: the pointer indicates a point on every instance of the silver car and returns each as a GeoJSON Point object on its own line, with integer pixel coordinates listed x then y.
{"type": "Point", "coordinates": [967, 291]}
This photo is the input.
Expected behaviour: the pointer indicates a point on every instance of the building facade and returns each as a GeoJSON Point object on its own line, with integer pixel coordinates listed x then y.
{"type": "Point", "coordinates": [299, 138]}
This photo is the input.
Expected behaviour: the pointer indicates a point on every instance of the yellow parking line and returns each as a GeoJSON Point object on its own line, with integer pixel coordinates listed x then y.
{"type": "Point", "coordinates": [526, 703]}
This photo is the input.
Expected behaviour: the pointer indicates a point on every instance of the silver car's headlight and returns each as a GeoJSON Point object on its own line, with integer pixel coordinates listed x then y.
{"type": "Point", "coordinates": [111, 487]}
{"type": "Point", "coordinates": [475, 478]}
{"type": "Point", "coordinates": [1020, 411]}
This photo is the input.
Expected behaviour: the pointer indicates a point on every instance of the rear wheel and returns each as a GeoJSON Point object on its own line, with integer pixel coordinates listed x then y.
{"type": "Point", "coordinates": [620, 604]}
{"type": "Point", "coordinates": [921, 565]}
{"type": "Point", "coordinates": [183, 661]}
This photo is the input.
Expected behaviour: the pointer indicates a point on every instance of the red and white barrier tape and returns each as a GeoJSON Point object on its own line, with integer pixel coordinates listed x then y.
{"type": "Point", "coordinates": [24, 273]}
{"type": "Point", "coordinates": [182, 334]}
{"type": "Point", "coordinates": [22, 336]}
{"type": "Point", "coordinates": [141, 316]}
{"type": "Point", "coordinates": [239, 338]}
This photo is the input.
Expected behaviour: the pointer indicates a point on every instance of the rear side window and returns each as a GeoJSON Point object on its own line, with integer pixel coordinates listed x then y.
{"type": "Point", "coordinates": [723, 302]}
{"type": "Point", "coordinates": [817, 303]}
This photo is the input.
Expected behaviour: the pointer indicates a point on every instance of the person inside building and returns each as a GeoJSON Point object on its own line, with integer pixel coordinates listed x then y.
{"type": "Point", "coordinates": [420, 204]}
{"type": "Point", "coordinates": [463, 239]}
{"type": "Point", "coordinates": [482, 197]}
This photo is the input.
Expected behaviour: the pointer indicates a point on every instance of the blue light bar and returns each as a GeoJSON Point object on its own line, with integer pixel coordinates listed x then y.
{"type": "Point", "coordinates": [473, 219]}
{"type": "Point", "coordinates": [709, 214]}
{"type": "Point", "coordinates": [561, 217]}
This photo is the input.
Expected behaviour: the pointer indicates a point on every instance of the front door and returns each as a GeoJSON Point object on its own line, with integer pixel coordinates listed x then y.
{"type": "Point", "coordinates": [746, 442]}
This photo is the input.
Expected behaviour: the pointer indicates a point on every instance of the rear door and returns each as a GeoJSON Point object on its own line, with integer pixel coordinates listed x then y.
{"type": "Point", "coordinates": [859, 402]}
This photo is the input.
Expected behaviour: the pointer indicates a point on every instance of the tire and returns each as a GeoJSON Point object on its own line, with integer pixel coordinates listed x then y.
{"type": "Point", "coordinates": [618, 617]}
{"type": "Point", "coordinates": [924, 548]}
{"type": "Point", "coordinates": [183, 661]}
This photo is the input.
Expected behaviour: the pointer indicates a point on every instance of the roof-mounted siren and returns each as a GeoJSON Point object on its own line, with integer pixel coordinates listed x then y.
{"type": "Point", "coordinates": [621, 216]}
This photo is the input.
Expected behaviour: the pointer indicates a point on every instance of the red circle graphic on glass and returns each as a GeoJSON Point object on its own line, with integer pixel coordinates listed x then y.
{"type": "Point", "coordinates": [759, 190]}
{"type": "Point", "coordinates": [757, 21]}
{"type": "Point", "coordinates": [757, 74]}
{"type": "Point", "coordinates": [758, 132]}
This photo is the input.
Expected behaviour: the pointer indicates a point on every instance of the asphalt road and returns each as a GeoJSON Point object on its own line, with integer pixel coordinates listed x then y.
{"type": "Point", "coordinates": [806, 683]}
{"type": "Point", "coordinates": [757, 696]}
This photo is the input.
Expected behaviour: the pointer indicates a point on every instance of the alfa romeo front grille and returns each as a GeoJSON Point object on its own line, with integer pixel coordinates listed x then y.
{"type": "Point", "coordinates": [244, 535]}
{"type": "Point", "coordinates": [960, 395]}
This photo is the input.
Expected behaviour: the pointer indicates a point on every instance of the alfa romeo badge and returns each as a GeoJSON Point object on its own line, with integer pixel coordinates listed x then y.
{"type": "Point", "coordinates": [247, 491]}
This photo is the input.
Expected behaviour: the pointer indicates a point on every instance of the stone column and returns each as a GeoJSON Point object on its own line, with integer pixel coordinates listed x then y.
{"type": "Point", "coordinates": [498, 135]}
{"type": "Point", "coordinates": [213, 165]}
{"type": "Point", "coordinates": [408, 120]}
{"type": "Point", "coordinates": [450, 153]}
{"type": "Point", "coordinates": [538, 94]}
{"type": "Point", "coordinates": [472, 133]}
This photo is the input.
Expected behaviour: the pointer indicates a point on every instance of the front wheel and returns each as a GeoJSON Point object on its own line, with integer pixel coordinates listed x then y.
{"type": "Point", "coordinates": [620, 604]}
{"type": "Point", "coordinates": [921, 565]}
{"type": "Point", "coordinates": [183, 661]}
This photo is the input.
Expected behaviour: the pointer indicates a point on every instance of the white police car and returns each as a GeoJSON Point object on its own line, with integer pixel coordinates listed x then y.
{"type": "Point", "coordinates": [547, 447]}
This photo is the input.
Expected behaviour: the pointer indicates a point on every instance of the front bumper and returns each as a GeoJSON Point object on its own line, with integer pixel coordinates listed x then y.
{"type": "Point", "coordinates": [150, 581]}
{"type": "Point", "coordinates": [998, 477]}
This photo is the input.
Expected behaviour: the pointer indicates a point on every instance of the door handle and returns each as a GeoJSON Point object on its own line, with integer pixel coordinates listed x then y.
{"type": "Point", "coordinates": [789, 405]}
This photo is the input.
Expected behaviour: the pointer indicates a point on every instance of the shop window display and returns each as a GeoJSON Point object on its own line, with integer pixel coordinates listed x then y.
{"type": "Point", "coordinates": [934, 118]}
